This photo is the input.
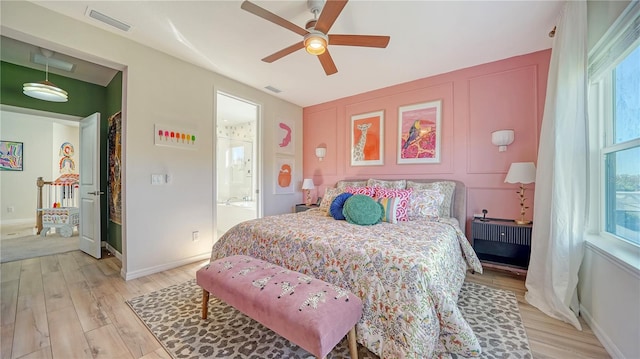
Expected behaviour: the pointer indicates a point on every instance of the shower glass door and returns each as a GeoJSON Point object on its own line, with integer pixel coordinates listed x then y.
{"type": "Point", "coordinates": [237, 195]}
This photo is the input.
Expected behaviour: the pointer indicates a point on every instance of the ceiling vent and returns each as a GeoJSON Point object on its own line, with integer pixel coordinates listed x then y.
{"type": "Point", "coordinates": [273, 89]}
{"type": "Point", "coordinates": [95, 14]}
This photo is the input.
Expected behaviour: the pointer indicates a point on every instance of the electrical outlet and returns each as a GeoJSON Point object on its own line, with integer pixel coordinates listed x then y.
{"type": "Point", "coordinates": [10, 209]}
{"type": "Point", "coordinates": [195, 236]}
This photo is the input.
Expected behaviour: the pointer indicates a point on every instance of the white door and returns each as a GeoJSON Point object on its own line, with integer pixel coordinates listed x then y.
{"type": "Point", "coordinates": [90, 185]}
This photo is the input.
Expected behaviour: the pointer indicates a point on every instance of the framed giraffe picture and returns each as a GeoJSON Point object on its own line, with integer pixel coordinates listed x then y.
{"type": "Point", "coordinates": [419, 133]}
{"type": "Point", "coordinates": [367, 139]}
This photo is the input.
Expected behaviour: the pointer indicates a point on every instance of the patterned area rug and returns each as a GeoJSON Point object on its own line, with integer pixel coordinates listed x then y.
{"type": "Point", "coordinates": [173, 316]}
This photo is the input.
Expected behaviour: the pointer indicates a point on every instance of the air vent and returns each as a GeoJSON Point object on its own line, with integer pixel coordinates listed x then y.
{"type": "Point", "coordinates": [107, 19]}
{"type": "Point", "coordinates": [273, 89]}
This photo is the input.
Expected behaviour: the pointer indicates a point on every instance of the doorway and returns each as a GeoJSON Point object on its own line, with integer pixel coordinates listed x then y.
{"type": "Point", "coordinates": [50, 144]}
{"type": "Point", "coordinates": [237, 192]}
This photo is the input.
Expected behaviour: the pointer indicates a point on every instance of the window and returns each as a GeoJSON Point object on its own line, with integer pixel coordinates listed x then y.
{"type": "Point", "coordinates": [614, 102]}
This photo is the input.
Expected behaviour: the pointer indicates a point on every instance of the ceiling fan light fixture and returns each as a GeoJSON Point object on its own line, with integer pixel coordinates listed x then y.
{"type": "Point", "coordinates": [315, 43]}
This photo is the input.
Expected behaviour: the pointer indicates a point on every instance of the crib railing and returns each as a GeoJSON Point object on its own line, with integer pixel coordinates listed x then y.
{"type": "Point", "coordinates": [63, 192]}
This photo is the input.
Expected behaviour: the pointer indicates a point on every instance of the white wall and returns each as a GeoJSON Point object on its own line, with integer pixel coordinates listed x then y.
{"type": "Point", "coordinates": [609, 287]}
{"type": "Point", "coordinates": [18, 188]}
{"type": "Point", "coordinates": [158, 220]}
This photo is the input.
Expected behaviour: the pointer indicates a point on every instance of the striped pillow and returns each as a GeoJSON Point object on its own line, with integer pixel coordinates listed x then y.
{"type": "Point", "coordinates": [390, 207]}
{"type": "Point", "coordinates": [402, 194]}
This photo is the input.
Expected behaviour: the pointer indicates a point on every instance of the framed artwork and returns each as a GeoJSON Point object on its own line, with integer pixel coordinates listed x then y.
{"type": "Point", "coordinates": [284, 137]}
{"type": "Point", "coordinates": [174, 136]}
{"type": "Point", "coordinates": [367, 139]}
{"type": "Point", "coordinates": [419, 133]}
{"type": "Point", "coordinates": [284, 175]}
{"type": "Point", "coordinates": [11, 156]}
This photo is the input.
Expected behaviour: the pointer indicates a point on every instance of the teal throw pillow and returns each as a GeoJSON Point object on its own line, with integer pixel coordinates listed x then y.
{"type": "Point", "coordinates": [336, 206]}
{"type": "Point", "coordinates": [362, 210]}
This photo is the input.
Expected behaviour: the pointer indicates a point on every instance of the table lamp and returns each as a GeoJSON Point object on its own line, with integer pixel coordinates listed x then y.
{"type": "Point", "coordinates": [523, 173]}
{"type": "Point", "coordinates": [307, 186]}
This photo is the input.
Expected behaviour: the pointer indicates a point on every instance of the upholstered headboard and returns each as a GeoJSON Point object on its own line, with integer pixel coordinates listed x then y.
{"type": "Point", "coordinates": [459, 201]}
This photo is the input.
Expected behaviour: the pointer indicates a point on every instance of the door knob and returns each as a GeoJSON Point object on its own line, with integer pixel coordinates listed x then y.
{"type": "Point", "coordinates": [96, 193]}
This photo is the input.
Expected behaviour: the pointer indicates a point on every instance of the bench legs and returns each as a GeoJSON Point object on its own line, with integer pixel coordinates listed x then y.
{"type": "Point", "coordinates": [205, 303]}
{"type": "Point", "coordinates": [353, 345]}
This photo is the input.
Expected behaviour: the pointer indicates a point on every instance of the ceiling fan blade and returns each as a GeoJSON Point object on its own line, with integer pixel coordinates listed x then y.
{"type": "Point", "coordinates": [269, 16]}
{"type": "Point", "coordinates": [359, 40]}
{"type": "Point", "coordinates": [329, 14]}
{"type": "Point", "coordinates": [327, 63]}
{"type": "Point", "coordinates": [284, 52]}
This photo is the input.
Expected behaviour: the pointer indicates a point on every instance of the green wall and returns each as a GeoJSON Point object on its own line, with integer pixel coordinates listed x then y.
{"type": "Point", "coordinates": [114, 104]}
{"type": "Point", "coordinates": [84, 99]}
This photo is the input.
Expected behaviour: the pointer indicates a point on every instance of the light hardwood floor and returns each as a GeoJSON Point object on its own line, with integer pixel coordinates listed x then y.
{"type": "Point", "coordinates": [73, 306]}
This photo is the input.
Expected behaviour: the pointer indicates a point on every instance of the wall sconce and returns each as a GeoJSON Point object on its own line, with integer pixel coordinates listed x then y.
{"type": "Point", "coordinates": [502, 139]}
{"type": "Point", "coordinates": [320, 153]}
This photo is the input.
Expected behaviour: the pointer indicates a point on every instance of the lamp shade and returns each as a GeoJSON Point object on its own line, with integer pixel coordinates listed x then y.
{"type": "Point", "coordinates": [321, 152]}
{"type": "Point", "coordinates": [521, 172]}
{"type": "Point", "coordinates": [307, 184]}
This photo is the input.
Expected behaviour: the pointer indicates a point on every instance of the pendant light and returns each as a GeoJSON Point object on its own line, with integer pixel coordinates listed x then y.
{"type": "Point", "coordinates": [45, 90]}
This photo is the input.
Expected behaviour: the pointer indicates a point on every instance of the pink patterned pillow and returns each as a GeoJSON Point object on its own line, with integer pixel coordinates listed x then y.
{"type": "Point", "coordinates": [403, 194]}
{"type": "Point", "coordinates": [367, 191]}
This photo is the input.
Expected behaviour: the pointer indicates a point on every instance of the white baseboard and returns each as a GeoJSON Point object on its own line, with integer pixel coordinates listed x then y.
{"type": "Point", "coordinates": [607, 343]}
{"type": "Point", "coordinates": [163, 267]}
{"type": "Point", "coordinates": [19, 221]}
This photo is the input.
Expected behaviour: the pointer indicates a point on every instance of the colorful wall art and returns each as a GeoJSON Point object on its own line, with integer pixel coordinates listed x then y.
{"type": "Point", "coordinates": [419, 133]}
{"type": "Point", "coordinates": [284, 175]}
{"type": "Point", "coordinates": [114, 143]}
{"type": "Point", "coordinates": [11, 156]}
{"type": "Point", "coordinates": [67, 164]}
{"type": "Point", "coordinates": [284, 137]}
{"type": "Point", "coordinates": [175, 136]}
{"type": "Point", "coordinates": [367, 140]}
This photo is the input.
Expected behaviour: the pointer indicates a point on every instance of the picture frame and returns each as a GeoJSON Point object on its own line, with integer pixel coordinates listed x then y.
{"type": "Point", "coordinates": [367, 139]}
{"type": "Point", "coordinates": [419, 133]}
{"type": "Point", "coordinates": [283, 181]}
{"type": "Point", "coordinates": [284, 137]}
{"type": "Point", "coordinates": [175, 136]}
{"type": "Point", "coordinates": [11, 156]}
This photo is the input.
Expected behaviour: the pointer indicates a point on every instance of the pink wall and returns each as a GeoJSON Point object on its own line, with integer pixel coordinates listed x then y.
{"type": "Point", "coordinates": [506, 94]}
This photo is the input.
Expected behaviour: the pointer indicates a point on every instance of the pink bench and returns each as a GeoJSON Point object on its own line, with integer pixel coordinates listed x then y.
{"type": "Point", "coordinates": [311, 313]}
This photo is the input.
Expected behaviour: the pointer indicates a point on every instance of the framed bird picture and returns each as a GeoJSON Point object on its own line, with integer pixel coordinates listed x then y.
{"type": "Point", "coordinates": [419, 133]}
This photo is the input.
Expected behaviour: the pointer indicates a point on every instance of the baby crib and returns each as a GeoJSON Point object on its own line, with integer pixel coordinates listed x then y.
{"type": "Point", "coordinates": [61, 211]}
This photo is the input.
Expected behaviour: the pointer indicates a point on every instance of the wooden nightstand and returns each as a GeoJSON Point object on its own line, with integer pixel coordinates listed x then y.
{"type": "Point", "coordinates": [502, 242]}
{"type": "Point", "coordinates": [303, 207]}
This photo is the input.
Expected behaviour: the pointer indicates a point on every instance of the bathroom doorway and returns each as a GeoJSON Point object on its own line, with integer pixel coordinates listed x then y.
{"type": "Point", "coordinates": [237, 190]}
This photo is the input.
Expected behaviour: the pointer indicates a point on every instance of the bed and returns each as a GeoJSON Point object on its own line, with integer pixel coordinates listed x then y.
{"type": "Point", "coordinates": [408, 274]}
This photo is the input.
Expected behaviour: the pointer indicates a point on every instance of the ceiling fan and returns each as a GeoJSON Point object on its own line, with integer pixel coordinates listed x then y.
{"type": "Point", "coordinates": [315, 34]}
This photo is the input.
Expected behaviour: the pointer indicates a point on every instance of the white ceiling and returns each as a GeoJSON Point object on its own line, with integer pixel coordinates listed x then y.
{"type": "Point", "coordinates": [427, 38]}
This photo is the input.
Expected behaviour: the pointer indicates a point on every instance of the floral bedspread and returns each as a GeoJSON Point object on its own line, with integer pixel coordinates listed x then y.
{"type": "Point", "coordinates": [408, 275]}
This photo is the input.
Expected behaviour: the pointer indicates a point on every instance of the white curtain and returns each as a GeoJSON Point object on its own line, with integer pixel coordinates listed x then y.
{"type": "Point", "coordinates": [557, 243]}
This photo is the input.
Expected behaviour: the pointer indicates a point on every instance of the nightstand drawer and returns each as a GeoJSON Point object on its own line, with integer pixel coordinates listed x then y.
{"type": "Point", "coordinates": [513, 234]}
